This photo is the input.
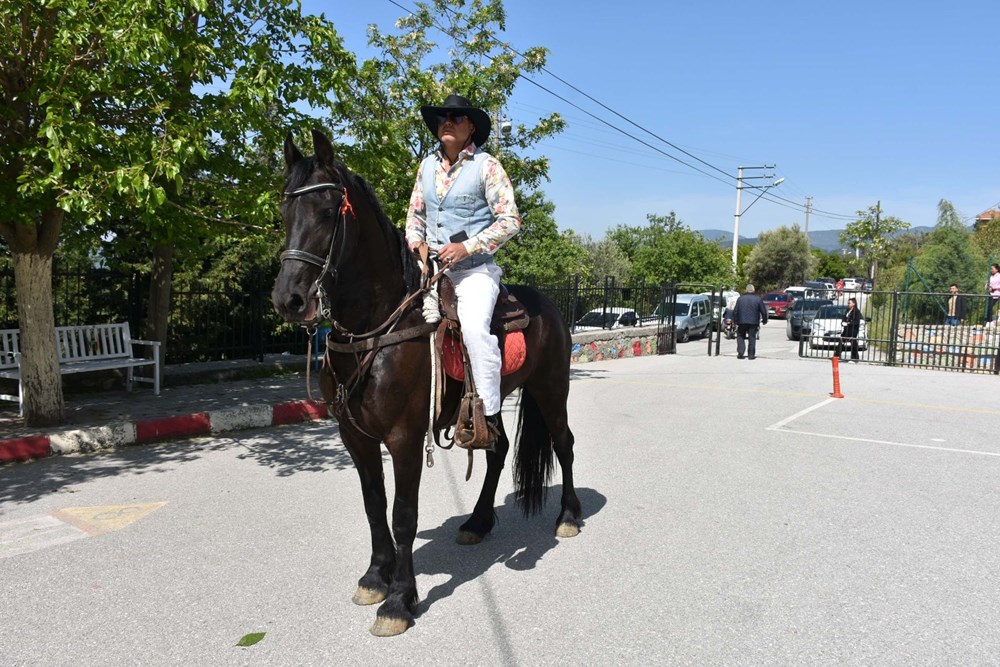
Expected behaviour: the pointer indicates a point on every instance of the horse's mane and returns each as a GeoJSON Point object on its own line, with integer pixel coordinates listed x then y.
{"type": "Point", "coordinates": [304, 168]}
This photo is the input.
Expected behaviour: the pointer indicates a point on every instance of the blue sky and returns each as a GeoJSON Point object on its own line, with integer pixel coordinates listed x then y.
{"type": "Point", "coordinates": [854, 101]}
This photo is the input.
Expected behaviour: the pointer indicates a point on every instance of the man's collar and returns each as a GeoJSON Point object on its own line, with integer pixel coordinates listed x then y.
{"type": "Point", "coordinates": [466, 152]}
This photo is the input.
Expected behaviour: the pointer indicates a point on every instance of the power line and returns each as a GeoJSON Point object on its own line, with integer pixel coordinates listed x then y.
{"type": "Point", "coordinates": [775, 199]}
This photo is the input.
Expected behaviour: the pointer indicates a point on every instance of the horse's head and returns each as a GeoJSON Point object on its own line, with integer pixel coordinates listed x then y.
{"type": "Point", "coordinates": [315, 212]}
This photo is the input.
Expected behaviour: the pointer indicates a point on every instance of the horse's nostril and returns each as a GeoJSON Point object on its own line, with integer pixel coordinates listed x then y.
{"type": "Point", "coordinates": [295, 303]}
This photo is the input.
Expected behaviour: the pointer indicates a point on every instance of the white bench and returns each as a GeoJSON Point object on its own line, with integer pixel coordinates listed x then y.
{"type": "Point", "coordinates": [93, 347]}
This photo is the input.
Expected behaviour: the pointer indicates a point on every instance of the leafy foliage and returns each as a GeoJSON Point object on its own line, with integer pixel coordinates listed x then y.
{"type": "Point", "coordinates": [668, 251]}
{"type": "Point", "coordinates": [948, 256]}
{"type": "Point", "coordinates": [780, 258]}
{"type": "Point", "coordinates": [540, 254]}
{"type": "Point", "coordinates": [872, 233]}
{"type": "Point", "coordinates": [383, 131]}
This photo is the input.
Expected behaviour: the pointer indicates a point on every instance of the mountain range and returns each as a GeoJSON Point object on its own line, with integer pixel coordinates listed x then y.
{"type": "Point", "coordinates": [827, 240]}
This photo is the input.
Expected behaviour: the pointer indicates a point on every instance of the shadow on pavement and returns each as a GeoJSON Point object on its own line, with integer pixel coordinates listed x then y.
{"type": "Point", "coordinates": [516, 542]}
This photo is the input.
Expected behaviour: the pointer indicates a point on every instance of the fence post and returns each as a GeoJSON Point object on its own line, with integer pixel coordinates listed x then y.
{"type": "Point", "coordinates": [257, 316]}
{"type": "Point", "coordinates": [574, 301]}
{"type": "Point", "coordinates": [893, 328]}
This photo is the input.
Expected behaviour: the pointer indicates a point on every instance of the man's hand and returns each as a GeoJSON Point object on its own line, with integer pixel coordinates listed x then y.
{"type": "Point", "coordinates": [452, 254]}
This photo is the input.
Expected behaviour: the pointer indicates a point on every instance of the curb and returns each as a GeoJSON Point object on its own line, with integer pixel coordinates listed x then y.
{"type": "Point", "coordinates": [122, 434]}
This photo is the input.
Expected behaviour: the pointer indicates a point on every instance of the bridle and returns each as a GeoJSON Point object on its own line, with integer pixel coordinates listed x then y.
{"type": "Point", "coordinates": [326, 264]}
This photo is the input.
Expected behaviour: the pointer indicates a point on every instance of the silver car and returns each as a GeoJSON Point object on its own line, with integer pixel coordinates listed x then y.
{"type": "Point", "coordinates": [692, 315]}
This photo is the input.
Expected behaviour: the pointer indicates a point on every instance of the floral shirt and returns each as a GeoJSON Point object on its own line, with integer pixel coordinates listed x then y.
{"type": "Point", "coordinates": [499, 197]}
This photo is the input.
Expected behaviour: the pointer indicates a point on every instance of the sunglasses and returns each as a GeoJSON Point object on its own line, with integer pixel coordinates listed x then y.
{"type": "Point", "coordinates": [454, 117]}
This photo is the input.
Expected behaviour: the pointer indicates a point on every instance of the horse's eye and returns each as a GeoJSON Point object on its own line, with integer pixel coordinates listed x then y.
{"type": "Point", "coordinates": [329, 212]}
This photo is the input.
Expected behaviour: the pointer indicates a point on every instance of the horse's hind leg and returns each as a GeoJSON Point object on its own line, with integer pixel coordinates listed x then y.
{"type": "Point", "coordinates": [483, 517]}
{"type": "Point", "coordinates": [552, 405]}
{"type": "Point", "coordinates": [374, 585]}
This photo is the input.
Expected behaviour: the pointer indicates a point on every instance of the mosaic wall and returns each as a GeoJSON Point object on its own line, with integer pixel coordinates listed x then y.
{"type": "Point", "coordinates": [959, 347]}
{"type": "Point", "coordinates": [612, 345]}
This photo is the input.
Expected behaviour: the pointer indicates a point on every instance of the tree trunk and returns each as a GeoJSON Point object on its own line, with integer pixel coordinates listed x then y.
{"type": "Point", "coordinates": [42, 384]}
{"type": "Point", "coordinates": [159, 296]}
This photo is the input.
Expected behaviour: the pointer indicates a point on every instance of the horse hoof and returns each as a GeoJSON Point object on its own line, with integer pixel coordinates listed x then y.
{"type": "Point", "coordinates": [567, 530]}
{"type": "Point", "coordinates": [389, 627]}
{"type": "Point", "coordinates": [366, 596]}
{"type": "Point", "coordinates": [467, 537]}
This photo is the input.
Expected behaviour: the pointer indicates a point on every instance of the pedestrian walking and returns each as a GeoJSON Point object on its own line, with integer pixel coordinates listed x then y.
{"type": "Point", "coordinates": [749, 314]}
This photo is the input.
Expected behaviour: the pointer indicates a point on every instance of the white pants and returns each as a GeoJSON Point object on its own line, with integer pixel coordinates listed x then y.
{"type": "Point", "coordinates": [476, 290]}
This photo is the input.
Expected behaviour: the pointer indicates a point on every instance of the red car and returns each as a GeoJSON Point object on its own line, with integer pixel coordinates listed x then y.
{"type": "Point", "coordinates": [777, 304]}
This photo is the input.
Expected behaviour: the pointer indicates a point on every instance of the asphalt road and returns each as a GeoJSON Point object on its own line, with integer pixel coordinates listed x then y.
{"type": "Point", "coordinates": [735, 515]}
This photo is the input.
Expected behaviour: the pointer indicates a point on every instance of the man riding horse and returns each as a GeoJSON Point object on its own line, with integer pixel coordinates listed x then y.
{"type": "Point", "coordinates": [463, 207]}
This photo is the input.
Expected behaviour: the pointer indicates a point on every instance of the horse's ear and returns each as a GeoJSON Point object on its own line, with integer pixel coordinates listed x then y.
{"type": "Point", "coordinates": [292, 153]}
{"type": "Point", "coordinates": [323, 148]}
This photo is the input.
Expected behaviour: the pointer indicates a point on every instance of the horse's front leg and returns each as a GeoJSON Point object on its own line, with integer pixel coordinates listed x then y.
{"type": "Point", "coordinates": [367, 455]}
{"type": "Point", "coordinates": [396, 613]}
{"type": "Point", "coordinates": [483, 517]}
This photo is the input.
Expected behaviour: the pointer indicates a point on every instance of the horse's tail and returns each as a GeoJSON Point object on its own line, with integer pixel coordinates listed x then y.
{"type": "Point", "coordinates": [533, 468]}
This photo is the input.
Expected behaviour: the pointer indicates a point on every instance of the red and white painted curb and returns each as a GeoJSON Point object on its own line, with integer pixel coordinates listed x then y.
{"type": "Point", "coordinates": [121, 434]}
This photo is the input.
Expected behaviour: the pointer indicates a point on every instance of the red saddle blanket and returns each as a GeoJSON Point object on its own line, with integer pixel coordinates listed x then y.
{"type": "Point", "coordinates": [514, 354]}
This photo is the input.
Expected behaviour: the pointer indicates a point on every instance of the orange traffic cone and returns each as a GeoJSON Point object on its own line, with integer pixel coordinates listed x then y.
{"type": "Point", "coordinates": [836, 378]}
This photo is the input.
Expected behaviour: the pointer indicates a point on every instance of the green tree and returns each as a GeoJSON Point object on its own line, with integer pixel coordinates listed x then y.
{"type": "Point", "coordinates": [158, 109]}
{"type": "Point", "coordinates": [386, 134]}
{"type": "Point", "coordinates": [780, 258]}
{"type": "Point", "coordinates": [605, 258]}
{"type": "Point", "coordinates": [540, 254]}
{"type": "Point", "coordinates": [667, 251]}
{"type": "Point", "coordinates": [948, 256]}
{"type": "Point", "coordinates": [872, 234]}
{"type": "Point", "coordinates": [832, 264]}
{"type": "Point", "coordinates": [986, 240]}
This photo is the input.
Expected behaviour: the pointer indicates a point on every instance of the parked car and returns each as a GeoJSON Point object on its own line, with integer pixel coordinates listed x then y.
{"type": "Point", "coordinates": [611, 318]}
{"type": "Point", "coordinates": [851, 284]}
{"type": "Point", "coordinates": [692, 315]}
{"type": "Point", "coordinates": [798, 292]}
{"type": "Point", "coordinates": [777, 303]}
{"type": "Point", "coordinates": [821, 290]}
{"type": "Point", "coordinates": [827, 326]}
{"type": "Point", "coordinates": [719, 304]}
{"type": "Point", "coordinates": [869, 285]}
{"type": "Point", "coordinates": [800, 317]}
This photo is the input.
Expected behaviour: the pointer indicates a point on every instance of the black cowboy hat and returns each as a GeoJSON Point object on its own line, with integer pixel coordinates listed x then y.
{"type": "Point", "coordinates": [460, 105]}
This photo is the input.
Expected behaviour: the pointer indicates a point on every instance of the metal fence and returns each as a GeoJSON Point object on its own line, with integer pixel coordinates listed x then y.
{"type": "Point", "coordinates": [911, 329]}
{"type": "Point", "coordinates": [901, 328]}
{"type": "Point", "coordinates": [204, 324]}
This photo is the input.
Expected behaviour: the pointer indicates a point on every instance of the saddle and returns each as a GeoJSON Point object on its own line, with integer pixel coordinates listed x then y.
{"type": "Point", "coordinates": [509, 314]}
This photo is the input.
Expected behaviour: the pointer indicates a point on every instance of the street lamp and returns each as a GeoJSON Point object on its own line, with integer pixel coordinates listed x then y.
{"type": "Point", "coordinates": [739, 192]}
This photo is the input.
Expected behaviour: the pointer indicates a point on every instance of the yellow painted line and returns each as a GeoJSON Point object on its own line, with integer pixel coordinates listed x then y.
{"type": "Point", "coordinates": [102, 519]}
{"type": "Point", "coordinates": [800, 394]}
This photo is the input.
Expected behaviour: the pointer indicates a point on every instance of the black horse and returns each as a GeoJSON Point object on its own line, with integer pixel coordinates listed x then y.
{"type": "Point", "coordinates": [346, 263]}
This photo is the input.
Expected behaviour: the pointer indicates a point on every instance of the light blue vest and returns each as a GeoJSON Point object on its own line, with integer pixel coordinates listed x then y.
{"type": "Point", "coordinates": [462, 209]}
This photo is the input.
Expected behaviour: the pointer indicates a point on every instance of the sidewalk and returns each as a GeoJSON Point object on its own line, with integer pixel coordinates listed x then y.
{"type": "Point", "coordinates": [196, 399]}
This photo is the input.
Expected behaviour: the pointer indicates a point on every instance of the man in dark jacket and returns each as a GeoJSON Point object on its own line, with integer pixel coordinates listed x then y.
{"type": "Point", "coordinates": [749, 314]}
{"type": "Point", "coordinates": [956, 308]}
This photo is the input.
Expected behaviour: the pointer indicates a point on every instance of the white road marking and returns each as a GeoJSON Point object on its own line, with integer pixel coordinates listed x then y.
{"type": "Point", "coordinates": [780, 427]}
{"type": "Point", "coordinates": [22, 536]}
{"type": "Point", "coordinates": [786, 420]}
{"type": "Point", "coordinates": [885, 442]}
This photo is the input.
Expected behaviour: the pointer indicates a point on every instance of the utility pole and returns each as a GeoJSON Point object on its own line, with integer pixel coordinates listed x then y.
{"type": "Point", "coordinates": [739, 192]}
{"type": "Point", "coordinates": [809, 203]}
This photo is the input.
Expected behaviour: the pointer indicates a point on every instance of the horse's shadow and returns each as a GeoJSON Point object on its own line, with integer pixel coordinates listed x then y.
{"type": "Point", "coordinates": [516, 542]}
